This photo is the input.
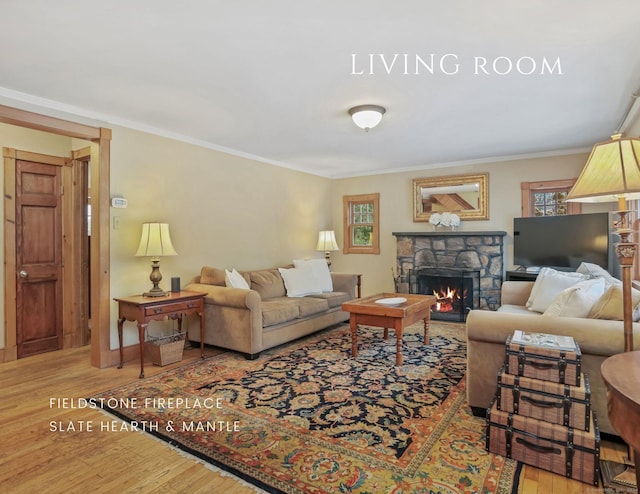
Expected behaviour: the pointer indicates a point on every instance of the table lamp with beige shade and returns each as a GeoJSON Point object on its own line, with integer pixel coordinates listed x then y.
{"type": "Point", "coordinates": [327, 243]}
{"type": "Point", "coordinates": [155, 242]}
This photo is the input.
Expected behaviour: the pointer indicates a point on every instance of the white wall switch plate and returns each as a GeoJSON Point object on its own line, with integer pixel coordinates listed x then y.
{"type": "Point", "coordinates": [118, 202]}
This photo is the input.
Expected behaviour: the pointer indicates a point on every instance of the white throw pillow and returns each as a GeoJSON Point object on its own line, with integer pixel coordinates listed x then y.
{"type": "Point", "coordinates": [320, 270]}
{"type": "Point", "coordinates": [233, 279]}
{"type": "Point", "coordinates": [577, 300]}
{"type": "Point", "coordinates": [548, 285]}
{"type": "Point", "coordinates": [595, 271]}
{"type": "Point", "coordinates": [300, 282]}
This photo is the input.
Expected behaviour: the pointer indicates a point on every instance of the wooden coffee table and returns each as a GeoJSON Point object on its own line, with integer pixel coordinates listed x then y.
{"type": "Point", "coordinates": [367, 311]}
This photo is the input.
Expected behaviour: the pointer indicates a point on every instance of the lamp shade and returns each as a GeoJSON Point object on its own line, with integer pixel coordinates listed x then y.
{"type": "Point", "coordinates": [327, 241]}
{"type": "Point", "coordinates": [155, 241]}
{"type": "Point", "coordinates": [367, 116]}
{"type": "Point", "coordinates": [612, 172]}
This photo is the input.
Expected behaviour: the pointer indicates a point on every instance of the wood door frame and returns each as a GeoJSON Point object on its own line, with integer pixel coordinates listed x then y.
{"type": "Point", "coordinates": [77, 239]}
{"type": "Point", "coordinates": [100, 244]}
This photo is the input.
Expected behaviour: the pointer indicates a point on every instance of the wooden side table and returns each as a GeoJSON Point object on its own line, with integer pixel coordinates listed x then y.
{"type": "Point", "coordinates": [145, 309]}
{"type": "Point", "coordinates": [621, 374]}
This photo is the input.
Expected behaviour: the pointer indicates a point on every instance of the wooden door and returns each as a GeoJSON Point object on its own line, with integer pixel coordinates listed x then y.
{"type": "Point", "coordinates": [38, 258]}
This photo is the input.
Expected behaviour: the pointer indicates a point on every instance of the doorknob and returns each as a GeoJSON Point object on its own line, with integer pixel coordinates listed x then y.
{"type": "Point", "coordinates": [23, 274]}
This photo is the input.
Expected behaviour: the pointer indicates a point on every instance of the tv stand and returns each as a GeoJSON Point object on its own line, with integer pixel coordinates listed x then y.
{"type": "Point", "coordinates": [521, 275]}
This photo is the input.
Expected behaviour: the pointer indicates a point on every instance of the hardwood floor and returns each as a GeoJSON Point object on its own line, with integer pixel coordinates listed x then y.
{"type": "Point", "coordinates": [35, 459]}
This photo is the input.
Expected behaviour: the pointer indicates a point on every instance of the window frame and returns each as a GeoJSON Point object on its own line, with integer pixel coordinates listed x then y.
{"type": "Point", "coordinates": [348, 202]}
{"type": "Point", "coordinates": [530, 188]}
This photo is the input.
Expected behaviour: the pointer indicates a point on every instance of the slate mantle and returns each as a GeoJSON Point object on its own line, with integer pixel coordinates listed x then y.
{"type": "Point", "coordinates": [455, 233]}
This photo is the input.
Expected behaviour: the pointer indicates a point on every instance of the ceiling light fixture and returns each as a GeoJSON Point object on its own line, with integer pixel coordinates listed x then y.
{"type": "Point", "coordinates": [367, 116]}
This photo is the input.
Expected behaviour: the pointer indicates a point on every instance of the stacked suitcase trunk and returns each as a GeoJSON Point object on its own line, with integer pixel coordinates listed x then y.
{"type": "Point", "coordinates": [541, 414]}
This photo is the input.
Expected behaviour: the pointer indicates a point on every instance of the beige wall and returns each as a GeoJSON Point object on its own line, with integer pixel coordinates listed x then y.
{"type": "Point", "coordinates": [223, 211]}
{"type": "Point", "coordinates": [396, 208]}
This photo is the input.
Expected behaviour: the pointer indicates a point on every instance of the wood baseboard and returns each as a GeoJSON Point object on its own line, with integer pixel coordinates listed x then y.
{"type": "Point", "coordinates": [129, 353]}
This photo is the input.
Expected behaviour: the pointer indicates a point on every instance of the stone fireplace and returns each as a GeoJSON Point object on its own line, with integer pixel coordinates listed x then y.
{"type": "Point", "coordinates": [466, 255]}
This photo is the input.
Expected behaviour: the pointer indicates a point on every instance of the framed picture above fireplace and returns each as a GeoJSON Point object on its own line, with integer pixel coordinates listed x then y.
{"type": "Point", "coordinates": [465, 195]}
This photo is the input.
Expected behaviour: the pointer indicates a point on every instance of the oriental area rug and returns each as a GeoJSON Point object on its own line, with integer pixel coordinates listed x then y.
{"type": "Point", "coordinates": [306, 417]}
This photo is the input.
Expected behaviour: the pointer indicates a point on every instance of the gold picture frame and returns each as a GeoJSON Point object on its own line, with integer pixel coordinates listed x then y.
{"type": "Point", "coordinates": [465, 195]}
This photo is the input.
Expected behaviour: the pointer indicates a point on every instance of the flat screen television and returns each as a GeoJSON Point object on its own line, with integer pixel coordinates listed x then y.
{"type": "Point", "coordinates": [563, 242]}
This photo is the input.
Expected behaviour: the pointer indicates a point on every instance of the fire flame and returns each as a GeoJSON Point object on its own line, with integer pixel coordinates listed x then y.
{"type": "Point", "coordinates": [445, 298]}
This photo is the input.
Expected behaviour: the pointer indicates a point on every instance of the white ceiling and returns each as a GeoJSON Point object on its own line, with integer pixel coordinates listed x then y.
{"type": "Point", "coordinates": [273, 80]}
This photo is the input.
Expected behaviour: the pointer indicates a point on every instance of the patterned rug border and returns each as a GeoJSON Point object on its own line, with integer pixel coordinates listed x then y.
{"type": "Point", "coordinates": [510, 469]}
{"type": "Point", "coordinates": [195, 453]}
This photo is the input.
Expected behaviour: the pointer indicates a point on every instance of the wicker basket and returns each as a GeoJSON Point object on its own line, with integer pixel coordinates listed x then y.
{"type": "Point", "coordinates": [166, 349]}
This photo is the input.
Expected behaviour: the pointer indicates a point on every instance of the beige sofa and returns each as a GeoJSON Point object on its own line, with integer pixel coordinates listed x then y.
{"type": "Point", "coordinates": [487, 332]}
{"type": "Point", "coordinates": [252, 320]}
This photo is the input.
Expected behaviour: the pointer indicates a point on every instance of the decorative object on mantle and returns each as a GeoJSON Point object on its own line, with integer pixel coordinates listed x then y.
{"type": "Point", "coordinates": [445, 221]}
{"type": "Point", "coordinates": [465, 195]}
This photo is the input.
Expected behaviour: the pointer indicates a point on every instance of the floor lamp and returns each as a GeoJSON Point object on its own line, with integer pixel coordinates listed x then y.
{"type": "Point", "coordinates": [612, 173]}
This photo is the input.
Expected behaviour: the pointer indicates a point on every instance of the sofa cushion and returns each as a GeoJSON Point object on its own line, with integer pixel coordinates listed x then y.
{"type": "Point", "coordinates": [268, 283]}
{"type": "Point", "coordinates": [212, 276]}
{"type": "Point", "coordinates": [278, 310]}
{"type": "Point", "coordinates": [609, 306]}
{"type": "Point", "coordinates": [595, 271]}
{"type": "Point", "coordinates": [233, 279]}
{"type": "Point", "coordinates": [516, 309]}
{"type": "Point", "coordinates": [334, 299]}
{"type": "Point", "coordinates": [308, 306]}
{"type": "Point", "coordinates": [320, 270]}
{"type": "Point", "coordinates": [300, 281]}
{"type": "Point", "coordinates": [548, 285]}
{"type": "Point", "coordinates": [577, 300]}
